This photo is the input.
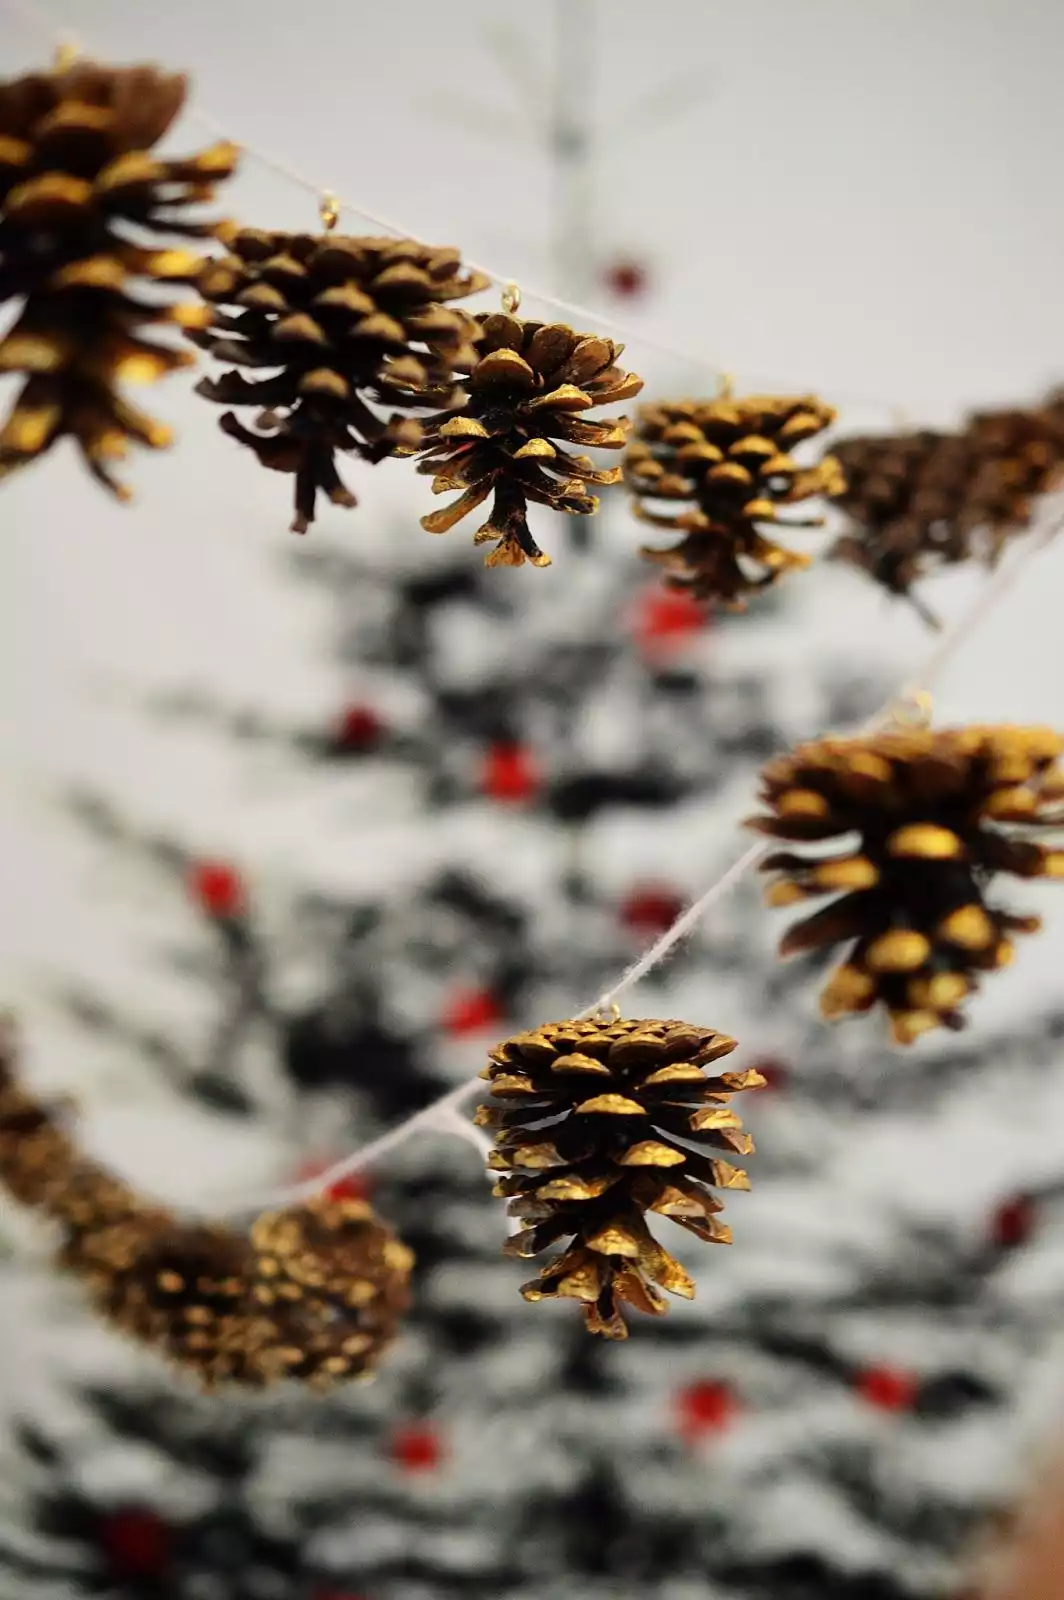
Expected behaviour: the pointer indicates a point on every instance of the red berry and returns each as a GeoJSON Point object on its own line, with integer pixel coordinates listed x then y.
{"type": "Point", "coordinates": [1013, 1222]}
{"type": "Point", "coordinates": [137, 1542]}
{"type": "Point", "coordinates": [354, 1187]}
{"type": "Point", "coordinates": [888, 1388]}
{"type": "Point", "coordinates": [509, 772]}
{"type": "Point", "coordinates": [360, 728]}
{"type": "Point", "coordinates": [705, 1407]}
{"type": "Point", "coordinates": [470, 1011]}
{"type": "Point", "coordinates": [665, 618]}
{"type": "Point", "coordinates": [216, 888]}
{"type": "Point", "coordinates": [650, 909]}
{"type": "Point", "coordinates": [416, 1448]}
{"type": "Point", "coordinates": [625, 278]}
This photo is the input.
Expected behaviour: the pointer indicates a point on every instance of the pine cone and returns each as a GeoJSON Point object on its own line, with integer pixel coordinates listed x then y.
{"type": "Point", "coordinates": [936, 814]}
{"type": "Point", "coordinates": [335, 1282]}
{"type": "Point", "coordinates": [316, 1294]}
{"type": "Point", "coordinates": [180, 1288]}
{"type": "Point", "coordinates": [350, 324]}
{"type": "Point", "coordinates": [604, 1116]}
{"type": "Point", "coordinates": [84, 209]}
{"type": "Point", "coordinates": [728, 462]}
{"type": "Point", "coordinates": [921, 500]}
{"type": "Point", "coordinates": [528, 386]}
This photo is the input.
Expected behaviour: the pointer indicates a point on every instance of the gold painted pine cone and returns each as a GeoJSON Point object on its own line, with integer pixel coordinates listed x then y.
{"type": "Point", "coordinates": [334, 1284]}
{"type": "Point", "coordinates": [87, 217]}
{"type": "Point", "coordinates": [355, 334]}
{"type": "Point", "coordinates": [936, 815]}
{"type": "Point", "coordinates": [717, 472]}
{"type": "Point", "coordinates": [529, 389]}
{"type": "Point", "coordinates": [598, 1125]}
{"type": "Point", "coordinates": [922, 500]}
{"type": "Point", "coordinates": [316, 1294]}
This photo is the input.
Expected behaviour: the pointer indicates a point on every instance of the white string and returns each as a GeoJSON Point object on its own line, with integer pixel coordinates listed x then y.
{"type": "Point", "coordinates": [630, 331]}
{"type": "Point", "coordinates": [442, 1114]}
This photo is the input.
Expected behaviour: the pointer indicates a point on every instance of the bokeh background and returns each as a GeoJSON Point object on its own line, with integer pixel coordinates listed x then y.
{"type": "Point", "coordinates": [292, 829]}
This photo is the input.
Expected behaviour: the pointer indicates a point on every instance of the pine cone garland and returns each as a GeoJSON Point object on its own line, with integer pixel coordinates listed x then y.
{"type": "Point", "coordinates": [316, 1294]}
{"type": "Point", "coordinates": [528, 389]}
{"type": "Point", "coordinates": [936, 814]}
{"type": "Point", "coordinates": [85, 209]}
{"type": "Point", "coordinates": [349, 325]}
{"type": "Point", "coordinates": [717, 471]}
{"type": "Point", "coordinates": [921, 500]}
{"type": "Point", "coordinates": [600, 1124]}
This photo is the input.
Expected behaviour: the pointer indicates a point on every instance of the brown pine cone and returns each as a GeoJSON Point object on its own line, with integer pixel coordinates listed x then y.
{"type": "Point", "coordinates": [918, 501]}
{"type": "Point", "coordinates": [179, 1288]}
{"type": "Point", "coordinates": [316, 1294]}
{"type": "Point", "coordinates": [936, 813]}
{"type": "Point", "coordinates": [351, 325]}
{"type": "Point", "coordinates": [528, 388]}
{"type": "Point", "coordinates": [717, 471]}
{"type": "Point", "coordinates": [85, 209]}
{"type": "Point", "coordinates": [334, 1282]}
{"type": "Point", "coordinates": [601, 1123]}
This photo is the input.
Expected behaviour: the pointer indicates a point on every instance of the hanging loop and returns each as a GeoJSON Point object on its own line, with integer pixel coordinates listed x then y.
{"type": "Point", "coordinates": [608, 1014]}
{"type": "Point", "coordinates": [914, 709]}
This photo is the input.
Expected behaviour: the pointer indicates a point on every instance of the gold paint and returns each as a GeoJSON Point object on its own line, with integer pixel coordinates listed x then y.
{"type": "Point", "coordinates": [1015, 804]}
{"type": "Point", "coordinates": [927, 841]}
{"type": "Point", "coordinates": [614, 1105]}
{"type": "Point", "coordinates": [714, 1117]}
{"type": "Point", "coordinates": [900, 950]}
{"type": "Point", "coordinates": [849, 872]}
{"type": "Point", "coordinates": [614, 1240]}
{"type": "Point", "coordinates": [847, 990]}
{"type": "Point", "coordinates": [802, 803]}
{"type": "Point", "coordinates": [535, 449]}
{"type": "Point", "coordinates": [969, 927]}
{"type": "Point", "coordinates": [577, 1062]}
{"type": "Point", "coordinates": [785, 892]}
{"type": "Point", "coordinates": [940, 993]}
{"type": "Point", "coordinates": [574, 1188]}
{"type": "Point", "coordinates": [677, 1072]}
{"type": "Point", "coordinates": [652, 1153]}
{"type": "Point", "coordinates": [725, 1176]}
{"type": "Point", "coordinates": [907, 1026]}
